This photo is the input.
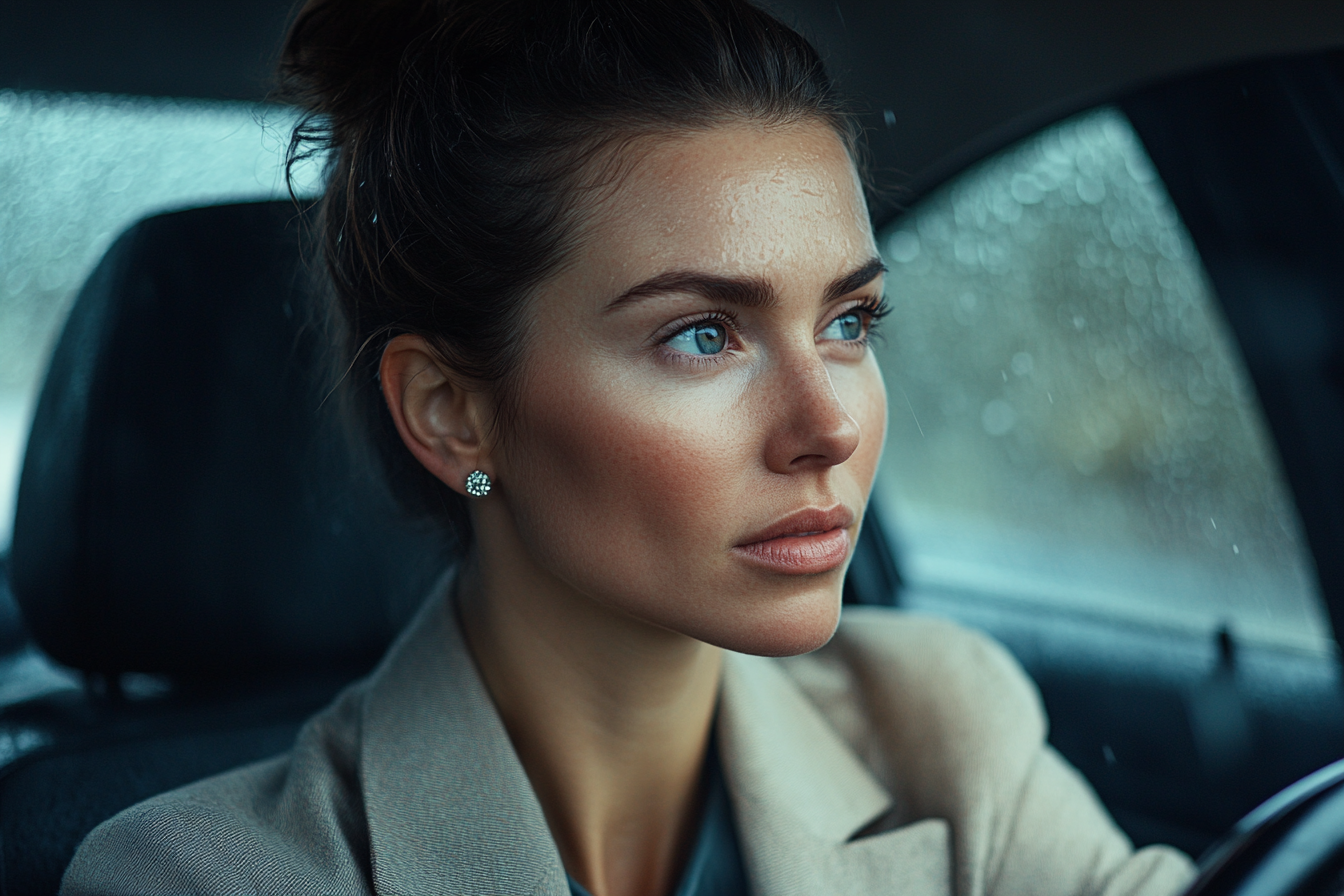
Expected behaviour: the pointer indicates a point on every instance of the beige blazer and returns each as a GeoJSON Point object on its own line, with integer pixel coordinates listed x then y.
{"type": "Point", "coordinates": [908, 756]}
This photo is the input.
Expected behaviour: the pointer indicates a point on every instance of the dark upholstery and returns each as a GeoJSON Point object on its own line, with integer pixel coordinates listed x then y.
{"type": "Point", "coordinates": [190, 506]}
{"type": "Point", "coordinates": [188, 503]}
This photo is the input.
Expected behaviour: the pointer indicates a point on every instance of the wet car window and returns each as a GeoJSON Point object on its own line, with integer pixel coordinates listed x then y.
{"type": "Point", "coordinates": [1071, 423]}
{"type": "Point", "coordinates": [77, 170]}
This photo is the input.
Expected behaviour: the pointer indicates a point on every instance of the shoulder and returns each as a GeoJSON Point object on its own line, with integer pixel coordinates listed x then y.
{"type": "Point", "coordinates": [189, 840]}
{"type": "Point", "coordinates": [950, 671]}
{"type": "Point", "coordinates": [932, 708]}
{"type": "Point", "coordinates": [929, 648]}
{"type": "Point", "coordinates": [929, 669]}
{"type": "Point", "coordinates": [292, 824]}
{"type": "Point", "coordinates": [954, 728]}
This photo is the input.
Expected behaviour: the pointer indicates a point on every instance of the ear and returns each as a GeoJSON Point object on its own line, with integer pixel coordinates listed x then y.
{"type": "Point", "coordinates": [441, 422]}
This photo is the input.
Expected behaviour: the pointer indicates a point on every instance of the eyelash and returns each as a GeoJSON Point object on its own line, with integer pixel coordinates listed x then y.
{"type": "Point", "coordinates": [874, 308]}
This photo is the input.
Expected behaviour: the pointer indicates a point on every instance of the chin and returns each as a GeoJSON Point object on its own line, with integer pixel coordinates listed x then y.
{"type": "Point", "coordinates": [770, 627]}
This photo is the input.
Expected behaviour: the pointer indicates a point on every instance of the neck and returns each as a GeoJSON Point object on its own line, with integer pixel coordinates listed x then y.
{"type": "Point", "coordinates": [610, 717]}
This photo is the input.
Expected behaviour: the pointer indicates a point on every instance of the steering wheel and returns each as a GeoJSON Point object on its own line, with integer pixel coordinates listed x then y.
{"type": "Point", "coordinates": [1292, 845]}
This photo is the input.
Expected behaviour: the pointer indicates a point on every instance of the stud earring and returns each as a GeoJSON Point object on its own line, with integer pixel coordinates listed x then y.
{"type": "Point", "coordinates": [478, 484]}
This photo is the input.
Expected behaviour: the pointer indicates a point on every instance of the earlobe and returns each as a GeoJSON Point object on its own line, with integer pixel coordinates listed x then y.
{"type": "Point", "coordinates": [439, 419]}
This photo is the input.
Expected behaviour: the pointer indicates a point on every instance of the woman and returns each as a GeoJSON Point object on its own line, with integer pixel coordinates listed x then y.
{"type": "Point", "coordinates": [609, 282]}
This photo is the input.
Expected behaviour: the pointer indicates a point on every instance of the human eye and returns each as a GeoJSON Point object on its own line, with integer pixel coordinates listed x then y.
{"type": "Point", "coordinates": [855, 324]}
{"type": "Point", "coordinates": [704, 337]}
{"type": "Point", "coordinates": [848, 327]}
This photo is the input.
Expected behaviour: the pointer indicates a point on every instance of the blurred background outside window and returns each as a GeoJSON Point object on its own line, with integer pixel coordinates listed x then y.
{"type": "Point", "coordinates": [78, 169]}
{"type": "Point", "coordinates": [1071, 423]}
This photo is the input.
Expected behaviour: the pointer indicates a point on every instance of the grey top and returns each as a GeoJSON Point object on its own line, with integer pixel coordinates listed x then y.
{"type": "Point", "coordinates": [907, 755]}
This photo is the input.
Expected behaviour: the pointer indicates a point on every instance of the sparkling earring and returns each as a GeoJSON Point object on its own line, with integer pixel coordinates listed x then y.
{"type": "Point", "coordinates": [478, 484]}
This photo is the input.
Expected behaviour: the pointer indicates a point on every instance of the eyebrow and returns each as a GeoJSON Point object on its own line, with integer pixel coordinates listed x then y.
{"type": "Point", "coordinates": [745, 292]}
{"type": "Point", "coordinates": [869, 271]}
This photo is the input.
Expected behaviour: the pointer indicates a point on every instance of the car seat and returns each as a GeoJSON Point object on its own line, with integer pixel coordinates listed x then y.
{"type": "Point", "coordinates": [195, 533]}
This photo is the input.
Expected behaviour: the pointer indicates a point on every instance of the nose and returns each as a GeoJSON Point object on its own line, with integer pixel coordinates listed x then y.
{"type": "Point", "coordinates": [811, 431]}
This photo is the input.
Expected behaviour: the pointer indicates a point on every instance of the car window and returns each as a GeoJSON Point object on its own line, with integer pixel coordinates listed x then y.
{"type": "Point", "coordinates": [77, 170]}
{"type": "Point", "coordinates": [1071, 422]}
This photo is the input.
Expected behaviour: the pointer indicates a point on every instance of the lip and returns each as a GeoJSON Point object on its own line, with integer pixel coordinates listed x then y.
{"type": "Point", "coordinates": [807, 542]}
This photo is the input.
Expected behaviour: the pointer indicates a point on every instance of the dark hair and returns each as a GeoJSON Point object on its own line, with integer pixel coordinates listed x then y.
{"type": "Point", "coordinates": [461, 133]}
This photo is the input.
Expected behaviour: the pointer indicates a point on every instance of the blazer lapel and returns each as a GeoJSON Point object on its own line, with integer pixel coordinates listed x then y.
{"type": "Point", "coordinates": [449, 807]}
{"type": "Point", "coordinates": [800, 796]}
{"type": "Point", "coordinates": [451, 811]}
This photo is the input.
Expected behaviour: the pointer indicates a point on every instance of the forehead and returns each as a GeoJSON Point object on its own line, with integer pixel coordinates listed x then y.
{"type": "Point", "coordinates": [734, 199]}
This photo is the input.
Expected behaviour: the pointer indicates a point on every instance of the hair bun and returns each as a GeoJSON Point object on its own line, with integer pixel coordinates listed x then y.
{"type": "Point", "coordinates": [341, 58]}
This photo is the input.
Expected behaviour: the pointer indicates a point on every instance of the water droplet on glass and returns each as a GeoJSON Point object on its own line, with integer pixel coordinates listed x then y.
{"type": "Point", "coordinates": [998, 417]}
{"type": "Point", "coordinates": [903, 247]}
{"type": "Point", "coordinates": [1091, 189]}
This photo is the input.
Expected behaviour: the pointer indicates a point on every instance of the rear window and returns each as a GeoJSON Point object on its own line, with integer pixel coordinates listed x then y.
{"type": "Point", "coordinates": [79, 169]}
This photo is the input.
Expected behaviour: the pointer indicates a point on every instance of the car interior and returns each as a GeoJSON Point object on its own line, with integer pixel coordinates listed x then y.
{"type": "Point", "coordinates": [1115, 369]}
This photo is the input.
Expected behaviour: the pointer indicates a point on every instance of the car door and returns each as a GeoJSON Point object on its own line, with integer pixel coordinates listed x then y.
{"type": "Point", "coordinates": [1113, 364]}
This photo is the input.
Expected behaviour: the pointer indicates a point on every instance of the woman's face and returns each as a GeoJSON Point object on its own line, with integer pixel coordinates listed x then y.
{"type": "Point", "coordinates": [700, 419]}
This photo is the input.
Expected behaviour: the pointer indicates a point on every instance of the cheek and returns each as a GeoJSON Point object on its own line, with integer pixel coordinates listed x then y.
{"type": "Point", "coordinates": [602, 470]}
{"type": "Point", "coordinates": [633, 492]}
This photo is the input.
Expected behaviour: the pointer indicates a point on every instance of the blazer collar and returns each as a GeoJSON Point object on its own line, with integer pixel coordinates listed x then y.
{"type": "Point", "coordinates": [801, 796]}
{"type": "Point", "coordinates": [450, 808]}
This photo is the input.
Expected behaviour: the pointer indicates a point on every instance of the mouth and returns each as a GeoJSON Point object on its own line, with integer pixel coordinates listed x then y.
{"type": "Point", "coordinates": [808, 542]}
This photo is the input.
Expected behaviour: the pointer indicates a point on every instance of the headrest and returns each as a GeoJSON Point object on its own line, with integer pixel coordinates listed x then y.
{"type": "Point", "coordinates": [188, 503]}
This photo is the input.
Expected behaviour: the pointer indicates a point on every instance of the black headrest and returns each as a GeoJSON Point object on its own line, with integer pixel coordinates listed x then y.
{"type": "Point", "coordinates": [188, 503]}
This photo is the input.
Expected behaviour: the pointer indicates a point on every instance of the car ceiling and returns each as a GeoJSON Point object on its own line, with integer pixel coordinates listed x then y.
{"type": "Point", "coordinates": [938, 83]}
